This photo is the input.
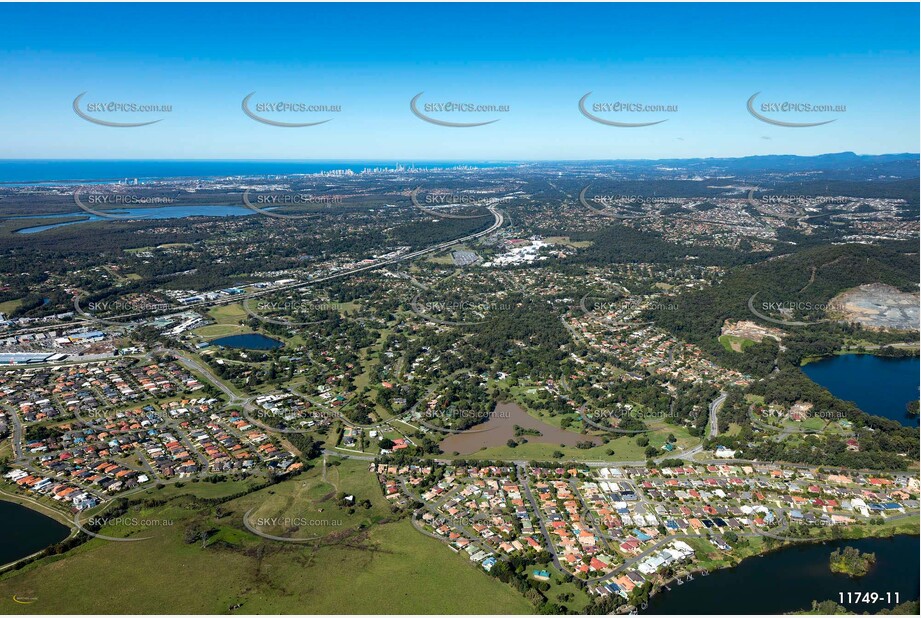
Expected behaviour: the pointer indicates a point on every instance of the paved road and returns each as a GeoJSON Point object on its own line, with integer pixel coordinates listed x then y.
{"type": "Point", "coordinates": [714, 409]}
{"type": "Point", "coordinates": [523, 480]}
{"type": "Point", "coordinates": [356, 457]}
{"type": "Point", "coordinates": [16, 435]}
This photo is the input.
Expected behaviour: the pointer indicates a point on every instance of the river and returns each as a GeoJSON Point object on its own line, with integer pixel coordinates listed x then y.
{"type": "Point", "coordinates": [25, 532]}
{"type": "Point", "coordinates": [164, 212]}
{"type": "Point", "coordinates": [790, 579]}
{"type": "Point", "coordinates": [878, 385]}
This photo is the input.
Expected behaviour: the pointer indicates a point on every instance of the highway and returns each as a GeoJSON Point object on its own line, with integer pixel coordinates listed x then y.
{"type": "Point", "coordinates": [497, 223]}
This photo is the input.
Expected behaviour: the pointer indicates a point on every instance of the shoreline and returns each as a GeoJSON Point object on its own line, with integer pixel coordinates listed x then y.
{"type": "Point", "coordinates": [890, 533]}
{"type": "Point", "coordinates": [812, 360]}
{"type": "Point", "coordinates": [40, 509]}
{"type": "Point", "coordinates": [815, 359]}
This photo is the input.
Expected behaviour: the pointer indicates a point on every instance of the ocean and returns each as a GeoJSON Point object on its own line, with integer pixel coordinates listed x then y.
{"type": "Point", "coordinates": [36, 171]}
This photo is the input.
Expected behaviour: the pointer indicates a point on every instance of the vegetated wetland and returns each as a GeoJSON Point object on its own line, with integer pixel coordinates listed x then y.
{"type": "Point", "coordinates": [500, 428]}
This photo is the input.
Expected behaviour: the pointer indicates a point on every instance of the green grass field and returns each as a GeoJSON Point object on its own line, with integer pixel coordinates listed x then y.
{"type": "Point", "coordinates": [566, 241]}
{"type": "Point", "coordinates": [9, 306]}
{"type": "Point", "coordinates": [228, 314]}
{"type": "Point", "coordinates": [213, 331]}
{"type": "Point", "coordinates": [389, 568]}
{"type": "Point", "coordinates": [735, 344]}
{"type": "Point", "coordinates": [311, 500]}
{"type": "Point", "coordinates": [227, 320]}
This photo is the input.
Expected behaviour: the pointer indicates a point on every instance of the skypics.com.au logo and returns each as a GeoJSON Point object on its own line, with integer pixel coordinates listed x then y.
{"type": "Point", "coordinates": [286, 109]}
{"type": "Point", "coordinates": [615, 113]}
{"type": "Point", "coordinates": [100, 111]}
{"type": "Point", "coordinates": [614, 206]}
{"type": "Point", "coordinates": [258, 525]}
{"type": "Point", "coordinates": [108, 205]}
{"type": "Point", "coordinates": [778, 109]}
{"type": "Point", "coordinates": [787, 309]}
{"type": "Point", "coordinates": [453, 108]}
{"type": "Point", "coordinates": [270, 204]}
{"type": "Point", "coordinates": [307, 311]}
{"type": "Point", "coordinates": [442, 204]}
{"type": "Point", "coordinates": [118, 312]}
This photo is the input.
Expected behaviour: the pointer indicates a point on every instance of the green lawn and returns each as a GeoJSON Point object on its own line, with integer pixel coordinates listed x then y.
{"type": "Point", "coordinates": [213, 331]}
{"type": "Point", "coordinates": [228, 314]}
{"type": "Point", "coordinates": [566, 241]}
{"type": "Point", "coordinates": [201, 489]}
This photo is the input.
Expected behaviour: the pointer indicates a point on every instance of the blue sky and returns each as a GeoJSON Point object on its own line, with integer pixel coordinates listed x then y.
{"type": "Point", "coordinates": [540, 59]}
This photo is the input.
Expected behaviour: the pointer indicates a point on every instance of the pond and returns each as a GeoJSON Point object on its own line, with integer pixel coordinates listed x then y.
{"type": "Point", "coordinates": [878, 385]}
{"type": "Point", "coordinates": [790, 579]}
{"type": "Point", "coordinates": [249, 341]}
{"type": "Point", "coordinates": [25, 532]}
{"type": "Point", "coordinates": [500, 428]}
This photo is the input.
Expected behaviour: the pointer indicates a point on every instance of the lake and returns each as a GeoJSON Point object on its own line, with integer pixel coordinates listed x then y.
{"type": "Point", "coordinates": [878, 385]}
{"type": "Point", "coordinates": [25, 532]}
{"type": "Point", "coordinates": [790, 579]}
{"type": "Point", "coordinates": [165, 212]}
{"type": "Point", "coordinates": [501, 427]}
{"type": "Point", "coordinates": [249, 341]}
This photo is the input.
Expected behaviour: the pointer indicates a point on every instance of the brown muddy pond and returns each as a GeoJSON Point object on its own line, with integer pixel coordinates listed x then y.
{"type": "Point", "coordinates": [500, 428]}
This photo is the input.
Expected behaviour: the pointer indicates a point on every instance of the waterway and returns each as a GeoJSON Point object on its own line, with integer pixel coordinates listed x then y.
{"type": "Point", "coordinates": [25, 532]}
{"type": "Point", "coordinates": [147, 213]}
{"type": "Point", "coordinates": [878, 385]}
{"type": "Point", "coordinates": [790, 579]}
{"type": "Point", "coordinates": [249, 341]}
{"type": "Point", "coordinates": [500, 428]}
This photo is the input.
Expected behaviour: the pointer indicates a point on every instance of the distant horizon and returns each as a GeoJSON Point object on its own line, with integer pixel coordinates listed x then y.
{"type": "Point", "coordinates": [471, 160]}
{"type": "Point", "coordinates": [27, 172]}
